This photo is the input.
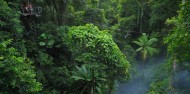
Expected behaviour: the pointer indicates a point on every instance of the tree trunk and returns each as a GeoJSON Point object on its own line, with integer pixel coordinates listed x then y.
{"type": "Point", "coordinates": [93, 81]}
{"type": "Point", "coordinates": [138, 17]}
{"type": "Point", "coordinates": [143, 69]}
{"type": "Point", "coordinates": [142, 9]}
{"type": "Point", "coordinates": [60, 8]}
{"type": "Point", "coordinates": [172, 78]}
{"type": "Point", "coordinates": [110, 90]}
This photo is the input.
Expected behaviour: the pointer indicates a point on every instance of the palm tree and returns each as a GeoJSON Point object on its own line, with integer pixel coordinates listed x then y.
{"type": "Point", "coordinates": [146, 46]}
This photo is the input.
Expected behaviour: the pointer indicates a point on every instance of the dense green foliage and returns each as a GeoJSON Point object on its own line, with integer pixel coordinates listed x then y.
{"type": "Point", "coordinates": [179, 37]}
{"type": "Point", "coordinates": [17, 74]}
{"type": "Point", "coordinates": [96, 49]}
{"type": "Point", "coordinates": [90, 45]}
{"type": "Point", "coordinates": [86, 46]}
{"type": "Point", "coordinates": [178, 49]}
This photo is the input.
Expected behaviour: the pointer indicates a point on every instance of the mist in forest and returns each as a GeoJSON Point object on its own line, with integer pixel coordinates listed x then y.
{"type": "Point", "coordinates": [140, 81]}
{"type": "Point", "coordinates": [181, 81]}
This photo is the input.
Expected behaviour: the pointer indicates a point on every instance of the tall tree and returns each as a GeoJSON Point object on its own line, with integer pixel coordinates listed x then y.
{"type": "Point", "coordinates": [146, 46]}
{"type": "Point", "coordinates": [91, 46]}
{"type": "Point", "coordinates": [178, 37]}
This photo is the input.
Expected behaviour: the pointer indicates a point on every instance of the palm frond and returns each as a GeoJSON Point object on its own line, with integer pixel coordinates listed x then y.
{"type": "Point", "coordinates": [77, 78]}
{"type": "Point", "coordinates": [139, 49]}
{"type": "Point", "coordinates": [138, 43]}
{"type": "Point", "coordinates": [151, 41]}
{"type": "Point", "coordinates": [151, 50]}
{"type": "Point", "coordinates": [81, 74]}
{"type": "Point", "coordinates": [84, 70]}
{"type": "Point", "coordinates": [144, 38]}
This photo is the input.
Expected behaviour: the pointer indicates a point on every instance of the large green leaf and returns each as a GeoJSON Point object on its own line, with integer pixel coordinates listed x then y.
{"type": "Point", "coordinates": [138, 43]}
{"type": "Point", "coordinates": [78, 78]}
{"type": "Point", "coordinates": [152, 41]}
{"type": "Point", "coordinates": [139, 49]}
{"type": "Point", "coordinates": [152, 50]}
{"type": "Point", "coordinates": [42, 43]}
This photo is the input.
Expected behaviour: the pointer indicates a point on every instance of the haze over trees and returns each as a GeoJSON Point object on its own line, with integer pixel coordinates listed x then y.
{"type": "Point", "coordinates": [89, 46]}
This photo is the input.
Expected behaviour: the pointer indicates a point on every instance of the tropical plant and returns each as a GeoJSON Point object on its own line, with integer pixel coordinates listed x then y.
{"type": "Point", "coordinates": [146, 46]}
{"type": "Point", "coordinates": [89, 78]}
